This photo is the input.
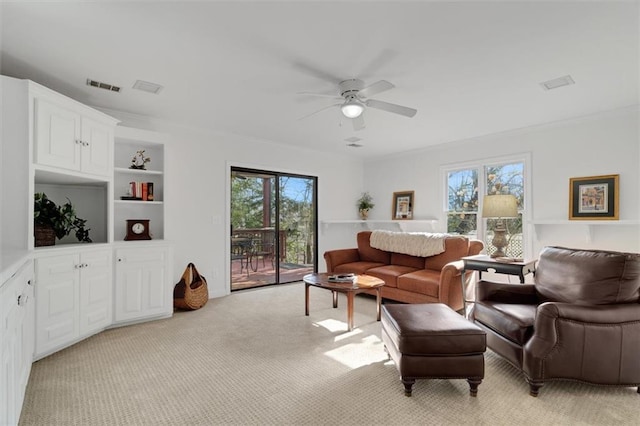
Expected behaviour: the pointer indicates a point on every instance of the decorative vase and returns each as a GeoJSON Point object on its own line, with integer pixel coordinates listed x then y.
{"type": "Point", "coordinates": [44, 236]}
{"type": "Point", "coordinates": [364, 214]}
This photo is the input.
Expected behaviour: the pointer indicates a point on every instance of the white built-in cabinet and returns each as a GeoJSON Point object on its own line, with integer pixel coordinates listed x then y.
{"type": "Point", "coordinates": [52, 297]}
{"type": "Point", "coordinates": [69, 137]}
{"type": "Point", "coordinates": [73, 297]}
{"type": "Point", "coordinates": [16, 341]}
{"type": "Point", "coordinates": [142, 287]}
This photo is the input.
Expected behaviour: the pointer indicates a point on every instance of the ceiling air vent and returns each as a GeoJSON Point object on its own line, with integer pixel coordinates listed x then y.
{"type": "Point", "coordinates": [104, 86]}
{"type": "Point", "coordinates": [145, 86]}
{"type": "Point", "coordinates": [557, 82]}
{"type": "Point", "coordinates": [353, 142]}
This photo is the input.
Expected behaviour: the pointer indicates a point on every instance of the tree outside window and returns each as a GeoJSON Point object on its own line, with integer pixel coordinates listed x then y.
{"type": "Point", "coordinates": [463, 202]}
{"type": "Point", "coordinates": [465, 190]}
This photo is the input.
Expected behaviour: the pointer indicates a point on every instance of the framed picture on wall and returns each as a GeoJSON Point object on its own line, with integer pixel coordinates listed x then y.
{"type": "Point", "coordinates": [593, 198]}
{"type": "Point", "coordinates": [402, 205]}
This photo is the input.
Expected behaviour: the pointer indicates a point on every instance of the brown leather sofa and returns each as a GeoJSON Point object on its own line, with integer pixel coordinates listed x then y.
{"type": "Point", "coordinates": [580, 320]}
{"type": "Point", "coordinates": [409, 279]}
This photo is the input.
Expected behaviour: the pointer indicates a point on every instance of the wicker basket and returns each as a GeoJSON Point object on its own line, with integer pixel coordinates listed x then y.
{"type": "Point", "coordinates": [193, 295]}
{"type": "Point", "coordinates": [44, 236]}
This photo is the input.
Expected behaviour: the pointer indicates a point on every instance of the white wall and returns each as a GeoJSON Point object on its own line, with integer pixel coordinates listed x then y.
{"type": "Point", "coordinates": [197, 168]}
{"type": "Point", "coordinates": [197, 172]}
{"type": "Point", "coordinates": [602, 144]}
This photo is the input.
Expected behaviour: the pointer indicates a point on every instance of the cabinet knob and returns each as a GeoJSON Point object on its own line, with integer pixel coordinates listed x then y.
{"type": "Point", "coordinates": [119, 259]}
{"type": "Point", "coordinates": [78, 142]}
{"type": "Point", "coordinates": [29, 282]}
{"type": "Point", "coordinates": [22, 299]}
{"type": "Point", "coordinates": [85, 143]}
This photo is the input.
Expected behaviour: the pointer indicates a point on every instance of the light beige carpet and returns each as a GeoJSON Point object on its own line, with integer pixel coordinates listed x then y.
{"type": "Point", "coordinates": [253, 358]}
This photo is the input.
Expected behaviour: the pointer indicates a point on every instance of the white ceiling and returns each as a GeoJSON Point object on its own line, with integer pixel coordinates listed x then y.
{"type": "Point", "coordinates": [469, 68]}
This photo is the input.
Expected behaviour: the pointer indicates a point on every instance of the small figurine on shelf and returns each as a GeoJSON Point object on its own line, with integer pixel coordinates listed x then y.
{"type": "Point", "coordinates": [139, 160]}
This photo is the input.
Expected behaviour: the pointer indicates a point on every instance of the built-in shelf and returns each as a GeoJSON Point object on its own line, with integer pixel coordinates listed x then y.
{"type": "Point", "coordinates": [137, 171]}
{"type": "Point", "coordinates": [127, 142]}
{"type": "Point", "coordinates": [371, 223]}
{"type": "Point", "coordinates": [146, 203]}
{"type": "Point", "coordinates": [586, 225]}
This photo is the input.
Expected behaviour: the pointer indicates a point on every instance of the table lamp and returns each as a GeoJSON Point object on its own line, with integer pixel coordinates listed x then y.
{"type": "Point", "coordinates": [499, 206]}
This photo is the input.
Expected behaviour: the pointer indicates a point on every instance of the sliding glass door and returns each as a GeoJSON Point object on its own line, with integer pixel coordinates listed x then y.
{"type": "Point", "coordinates": [273, 227]}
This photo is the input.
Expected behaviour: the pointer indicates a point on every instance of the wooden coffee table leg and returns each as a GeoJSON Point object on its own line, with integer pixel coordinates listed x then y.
{"type": "Point", "coordinates": [378, 301]}
{"type": "Point", "coordinates": [350, 295]}
{"type": "Point", "coordinates": [335, 299]}
{"type": "Point", "coordinates": [306, 299]}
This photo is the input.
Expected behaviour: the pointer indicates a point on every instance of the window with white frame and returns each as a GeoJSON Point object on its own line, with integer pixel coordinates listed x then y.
{"type": "Point", "coordinates": [468, 183]}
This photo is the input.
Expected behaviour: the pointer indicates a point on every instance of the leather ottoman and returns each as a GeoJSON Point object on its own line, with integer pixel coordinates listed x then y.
{"type": "Point", "coordinates": [432, 341]}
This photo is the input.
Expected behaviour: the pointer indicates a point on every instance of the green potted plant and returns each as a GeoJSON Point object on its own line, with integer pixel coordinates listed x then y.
{"type": "Point", "coordinates": [365, 203]}
{"type": "Point", "coordinates": [52, 221]}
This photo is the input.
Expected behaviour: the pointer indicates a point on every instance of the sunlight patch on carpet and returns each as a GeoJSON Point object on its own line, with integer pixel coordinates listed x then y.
{"type": "Point", "coordinates": [356, 355]}
{"type": "Point", "coordinates": [332, 325]}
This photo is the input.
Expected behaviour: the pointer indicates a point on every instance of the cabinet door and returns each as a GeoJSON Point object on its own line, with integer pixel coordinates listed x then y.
{"type": "Point", "coordinates": [8, 414]}
{"type": "Point", "coordinates": [25, 332]}
{"type": "Point", "coordinates": [96, 286]}
{"type": "Point", "coordinates": [7, 343]}
{"type": "Point", "coordinates": [57, 135]}
{"type": "Point", "coordinates": [57, 301]}
{"type": "Point", "coordinates": [16, 342]}
{"type": "Point", "coordinates": [97, 147]}
{"type": "Point", "coordinates": [141, 284]}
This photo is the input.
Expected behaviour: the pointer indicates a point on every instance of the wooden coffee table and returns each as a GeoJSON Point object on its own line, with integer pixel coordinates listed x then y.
{"type": "Point", "coordinates": [364, 283]}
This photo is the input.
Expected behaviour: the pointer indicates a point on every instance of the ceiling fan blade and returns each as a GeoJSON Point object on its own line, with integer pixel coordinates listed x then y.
{"type": "Point", "coordinates": [358, 122]}
{"type": "Point", "coordinates": [316, 72]}
{"type": "Point", "coordinates": [320, 110]}
{"type": "Point", "coordinates": [377, 87]}
{"type": "Point", "coordinates": [323, 95]}
{"type": "Point", "coordinates": [396, 109]}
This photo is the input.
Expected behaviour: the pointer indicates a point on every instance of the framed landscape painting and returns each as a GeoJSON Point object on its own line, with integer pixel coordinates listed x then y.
{"type": "Point", "coordinates": [402, 205]}
{"type": "Point", "coordinates": [593, 198]}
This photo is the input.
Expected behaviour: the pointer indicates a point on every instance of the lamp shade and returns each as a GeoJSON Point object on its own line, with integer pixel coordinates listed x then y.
{"type": "Point", "coordinates": [500, 206]}
{"type": "Point", "coordinates": [352, 108]}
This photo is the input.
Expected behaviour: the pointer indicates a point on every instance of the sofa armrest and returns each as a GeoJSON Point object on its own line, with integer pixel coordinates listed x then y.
{"type": "Point", "coordinates": [506, 293]}
{"type": "Point", "coordinates": [562, 331]}
{"type": "Point", "coordinates": [450, 283]}
{"type": "Point", "coordinates": [334, 258]}
{"type": "Point", "coordinates": [598, 314]}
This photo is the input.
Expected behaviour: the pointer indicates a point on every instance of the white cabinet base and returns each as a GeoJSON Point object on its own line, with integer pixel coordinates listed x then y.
{"type": "Point", "coordinates": [73, 296]}
{"type": "Point", "coordinates": [143, 287]}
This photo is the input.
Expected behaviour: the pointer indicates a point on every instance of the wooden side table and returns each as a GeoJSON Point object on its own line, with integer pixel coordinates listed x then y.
{"type": "Point", "coordinates": [483, 263]}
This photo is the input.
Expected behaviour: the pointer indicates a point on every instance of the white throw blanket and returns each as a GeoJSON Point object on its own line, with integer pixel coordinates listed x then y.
{"type": "Point", "coordinates": [421, 244]}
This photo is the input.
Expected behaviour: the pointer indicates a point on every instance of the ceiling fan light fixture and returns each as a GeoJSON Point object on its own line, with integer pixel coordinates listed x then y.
{"type": "Point", "coordinates": [352, 108]}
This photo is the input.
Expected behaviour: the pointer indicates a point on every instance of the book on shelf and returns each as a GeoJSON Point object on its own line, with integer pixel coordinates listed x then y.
{"type": "Point", "coordinates": [141, 191]}
{"type": "Point", "coordinates": [149, 191]}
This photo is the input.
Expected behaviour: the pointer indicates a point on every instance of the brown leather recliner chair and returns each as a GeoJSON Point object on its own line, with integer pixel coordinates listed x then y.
{"type": "Point", "coordinates": [580, 320]}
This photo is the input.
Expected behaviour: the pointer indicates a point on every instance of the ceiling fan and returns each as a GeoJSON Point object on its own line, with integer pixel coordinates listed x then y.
{"type": "Point", "coordinates": [354, 97]}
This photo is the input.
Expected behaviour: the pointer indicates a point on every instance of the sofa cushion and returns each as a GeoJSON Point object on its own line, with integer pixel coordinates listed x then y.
{"type": "Point", "coordinates": [513, 321]}
{"type": "Point", "coordinates": [407, 260]}
{"type": "Point", "coordinates": [368, 253]}
{"type": "Point", "coordinates": [455, 247]}
{"type": "Point", "coordinates": [356, 267]}
{"type": "Point", "coordinates": [423, 281]}
{"type": "Point", "coordinates": [588, 277]}
{"type": "Point", "coordinates": [390, 273]}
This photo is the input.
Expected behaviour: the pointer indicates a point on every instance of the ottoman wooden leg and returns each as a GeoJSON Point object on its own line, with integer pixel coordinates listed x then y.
{"type": "Point", "coordinates": [473, 386]}
{"type": "Point", "coordinates": [408, 384]}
